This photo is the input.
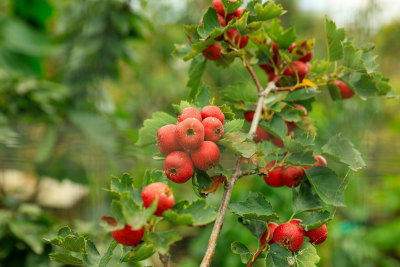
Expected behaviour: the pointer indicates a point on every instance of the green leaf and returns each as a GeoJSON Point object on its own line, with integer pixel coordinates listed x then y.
{"type": "Point", "coordinates": [327, 184]}
{"type": "Point", "coordinates": [238, 143]}
{"type": "Point", "coordinates": [228, 113]}
{"type": "Point", "coordinates": [203, 97]}
{"type": "Point", "coordinates": [233, 126]}
{"type": "Point", "coordinates": [334, 92]}
{"type": "Point", "coordinates": [275, 126]}
{"type": "Point", "coordinates": [279, 257]}
{"type": "Point", "coordinates": [196, 213]}
{"type": "Point", "coordinates": [65, 258]}
{"type": "Point", "coordinates": [307, 255]}
{"type": "Point", "coordinates": [92, 256]}
{"type": "Point", "coordinates": [334, 39]}
{"type": "Point", "coordinates": [69, 240]}
{"type": "Point", "coordinates": [363, 84]}
{"type": "Point", "coordinates": [240, 249]}
{"type": "Point", "coordinates": [116, 210]}
{"type": "Point", "coordinates": [134, 215]}
{"type": "Point", "coordinates": [105, 259]}
{"type": "Point", "coordinates": [316, 219]}
{"type": "Point", "coordinates": [257, 228]}
{"type": "Point", "coordinates": [256, 207]}
{"type": "Point", "coordinates": [300, 143]}
{"type": "Point", "coordinates": [210, 22]}
{"type": "Point", "coordinates": [301, 158]}
{"type": "Point", "coordinates": [306, 199]}
{"type": "Point", "coordinates": [301, 94]}
{"type": "Point", "coordinates": [240, 92]}
{"type": "Point", "coordinates": [122, 185]}
{"type": "Point", "coordinates": [178, 219]}
{"type": "Point", "coordinates": [148, 133]}
{"type": "Point", "coordinates": [260, 12]}
{"type": "Point", "coordinates": [139, 253]}
{"type": "Point", "coordinates": [46, 145]}
{"type": "Point", "coordinates": [154, 176]}
{"type": "Point", "coordinates": [231, 6]}
{"type": "Point", "coordinates": [200, 181]}
{"type": "Point", "coordinates": [196, 71]}
{"type": "Point", "coordinates": [163, 240]}
{"type": "Point", "coordinates": [343, 150]}
{"type": "Point", "coordinates": [352, 58]}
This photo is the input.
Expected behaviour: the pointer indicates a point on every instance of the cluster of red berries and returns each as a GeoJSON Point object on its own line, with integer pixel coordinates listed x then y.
{"type": "Point", "coordinates": [291, 235]}
{"type": "Point", "coordinates": [290, 176]}
{"type": "Point", "coordinates": [191, 142]}
{"type": "Point", "coordinates": [160, 191]}
{"type": "Point", "coordinates": [213, 52]}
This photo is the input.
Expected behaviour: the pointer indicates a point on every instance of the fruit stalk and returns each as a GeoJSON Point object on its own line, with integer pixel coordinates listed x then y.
{"type": "Point", "coordinates": [258, 253]}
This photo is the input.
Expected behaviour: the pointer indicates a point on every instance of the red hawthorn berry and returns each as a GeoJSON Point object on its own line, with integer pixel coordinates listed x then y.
{"type": "Point", "coordinates": [206, 156]}
{"type": "Point", "coordinates": [291, 47]}
{"type": "Point", "coordinates": [292, 176]}
{"type": "Point", "coordinates": [301, 108]}
{"type": "Point", "coordinates": [345, 90]}
{"type": "Point", "coordinates": [213, 111]}
{"type": "Point", "coordinates": [274, 177]}
{"type": "Point", "coordinates": [127, 236]}
{"type": "Point", "coordinates": [213, 52]}
{"type": "Point", "coordinates": [189, 112]}
{"type": "Point", "coordinates": [275, 48]}
{"type": "Point", "coordinates": [249, 115]}
{"type": "Point", "coordinates": [238, 14]}
{"type": "Point", "coordinates": [160, 191]}
{"type": "Point", "coordinates": [166, 139]}
{"type": "Point", "coordinates": [296, 222]}
{"type": "Point", "coordinates": [289, 235]}
{"type": "Point", "coordinates": [321, 161]}
{"type": "Point", "coordinates": [267, 68]}
{"type": "Point", "coordinates": [277, 141]}
{"type": "Point", "coordinates": [261, 135]}
{"type": "Point", "coordinates": [217, 4]}
{"type": "Point", "coordinates": [190, 133]}
{"type": "Point", "coordinates": [299, 67]}
{"type": "Point", "coordinates": [213, 129]}
{"type": "Point", "coordinates": [318, 235]}
{"type": "Point", "coordinates": [234, 35]}
{"type": "Point", "coordinates": [271, 227]}
{"type": "Point", "coordinates": [307, 57]}
{"type": "Point", "coordinates": [178, 167]}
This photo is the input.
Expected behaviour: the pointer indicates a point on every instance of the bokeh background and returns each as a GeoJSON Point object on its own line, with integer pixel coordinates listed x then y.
{"type": "Point", "coordinates": [78, 78]}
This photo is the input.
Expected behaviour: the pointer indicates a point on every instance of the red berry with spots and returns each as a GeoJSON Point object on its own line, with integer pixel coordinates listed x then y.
{"type": "Point", "coordinates": [345, 90]}
{"type": "Point", "coordinates": [318, 235]}
{"type": "Point", "coordinates": [261, 135]}
{"type": "Point", "coordinates": [206, 156]}
{"type": "Point", "coordinates": [166, 139]}
{"type": "Point", "coordinates": [274, 177]}
{"type": "Point", "coordinates": [213, 129]}
{"type": "Point", "coordinates": [190, 133]}
{"type": "Point", "coordinates": [189, 113]}
{"type": "Point", "coordinates": [127, 236]}
{"type": "Point", "coordinates": [289, 235]}
{"type": "Point", "coordinates": [213, 52]}
{"type": "Point", "coordinates": [178, 167]}
{"type": "Point", "coordinates": [161, 192]}
{"type": "Point", "coordinates": [292, 176]}
{"type": "Point", "coordinates": [271, 229]}
{"type": "Point", "coordinates": [213, 111]}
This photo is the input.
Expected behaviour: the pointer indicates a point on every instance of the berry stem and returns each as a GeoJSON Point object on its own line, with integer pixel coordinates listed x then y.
{"type": "Point", "coordinates": [258, 253]}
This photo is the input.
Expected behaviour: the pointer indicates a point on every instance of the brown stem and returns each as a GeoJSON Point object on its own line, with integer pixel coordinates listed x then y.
{"type": "Point", "coordinates": [258, 253]}
{"type": "Point", "coordinates": [290, 88]}
{"type": "Point", "coordinates": [243, 174]}
{"type": "Point", "coordinates": [164, 258]}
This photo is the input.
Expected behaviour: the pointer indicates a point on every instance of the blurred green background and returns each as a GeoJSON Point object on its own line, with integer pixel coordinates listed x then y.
{"type": "Point", "coordinates": [77, 79]}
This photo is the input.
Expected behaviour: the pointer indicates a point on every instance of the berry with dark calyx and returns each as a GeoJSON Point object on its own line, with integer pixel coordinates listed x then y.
{"type": "Point", "coordinates": [213, 129]}
{"type": "Point", "coordinates": [292, 176]}
{"type": "Point", "coordinates": [213, 52]}
{"type": "Point", "coordinates": [206, 156]}
{"type": "Point", "coordinates": [240, 41]}
{"type": "Point", "coordinates": [271, 229]}
{"type": "Point", "coordinates": [345, 90]}
{"type": "Point", "coordinates": [190, 133]}
{"type": "Point", "coordinates": [127, 236]}
{"type": "Point", "coordinates": [289, 235]}
{"type": "Point", "coordinates": [274, 177]}
{"type": "Point", "coordinates": [161, 192]}
{"type": "Point", "coordinates": [301, 108]}
{"type": "Point", "coordinates": [178, 167]}
{"type": "Point", "coordinates": [213, 111]}
{"type": "Point", "coordinates": [318, 235]}
{"type": "Point", "coordinates": [261, 135]}
{"type": "Point", "coordinates": [307, 57]}
{"type": "Point", "coordinates": [166, 139]}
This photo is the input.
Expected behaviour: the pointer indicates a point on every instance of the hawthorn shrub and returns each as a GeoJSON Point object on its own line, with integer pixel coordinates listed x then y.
{"type": "Point", "coordinates": [268, 131]}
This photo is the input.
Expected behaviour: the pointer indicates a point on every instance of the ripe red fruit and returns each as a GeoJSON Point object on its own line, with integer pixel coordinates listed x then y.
{"type": "Point", "coordinates": [274, 177]}
{"type": "Point", "coordinates": [345, 90]}
{"type": "Point", "coordinates": [127, 236]}
{"type": "Point", "coordinates": [206, 157]}
{"type": "Point", "coordinates": [249, 115]}
{"type": "Point", "coordinates": [267, 68]}
{"type": "Point", "coordinates": [213, 129]}
{"type": "Point", "coordinates": [189, 113]}
{"type": "Point", "coordinates": [292, 176]}
{"type": "Point", "coordinates": [178, 167]}
{"type": "Point", "coordinates": [240, 41]}
{"type": "Point", "coordinates": [299, 67]}
{"type": "Point", "coordinates": [160, 191]}
{"type": "Point", "coordinates": [213, 52]}
{"type": "Point", "coordinates": [307, 57]}
{"type": "Point", "coordinates": [296, 222]}
{"type": "Point", "coordinates": [275, 48]}
{"type": "Point", "coordinates": [289, 235]}
{"type": "Point", "coordinates": [301, 108]}
{"type": "Point", "coordinates": [271, 227]}
{"type": "Point", "coordinates": [213, 111]}
{"type": "Point", "coordinates": [238, 14]}
{"type": "Point", "coordinates": [217, 4]}
{"type": "Point", "coordinates": [166, 139]}
{"type": "Point", "coordinates": [320, 161]}
{"type": "Point", "coordinates": [291, 47]}
{"type": "Point", "coordinates": [318, 235]}
{"type": "Point", "coordinates": [277, 141]}
{"type": "Point", "coordinates": [190, 133]}
{"type": "Point", "coordinates": [261, 135]}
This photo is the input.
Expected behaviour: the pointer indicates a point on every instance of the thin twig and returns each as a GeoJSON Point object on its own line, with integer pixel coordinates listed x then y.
{"type": "Point", "coordinates": [243, 174]}
{"type": "Point", "coordinates": [164, 258]}
{"type": "Point", "coordinates": [290, 88]}
{"type": "Point", "coordinates": [258, 253]}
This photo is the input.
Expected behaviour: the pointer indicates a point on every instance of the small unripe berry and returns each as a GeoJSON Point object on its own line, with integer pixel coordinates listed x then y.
{"type": "Point", "coordinates": [213, 129]}
{"type": "Point", "coordinates": [190, 133]}
{"type": "Point", "coordinates": [318, 235]}
{"type": "Point", "coordinates": [207, 156]}
{"type": "Point", "coordinates": [274, 177]}
{"type": "Point", "coordinates": [166, 139]}
{"type": "Point", "coordinates": [213, 52]}
{"type": "Point", "coordinates": [271, 228]}
{"type": "Point", "coordinates": [292, 176]}
{"type": "Point", "coordinates": [160, 191]}
{"type": "Point", "coordinates": [189, 112]}
{"type": "Point", "coordinates": [127, 236]}
{"type": "Point", "coordinates": [178, 167]}
{"type": "Point", "coordinates": [345, 90]}
{"type": "Point", "coordinates": [213, 111]}
{"type": "Point", "coordinates": [289, 235]}
{"type": "Point", "coordinates": [261, 135]}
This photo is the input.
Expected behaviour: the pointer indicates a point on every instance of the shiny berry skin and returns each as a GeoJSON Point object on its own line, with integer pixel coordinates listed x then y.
{"type": "Point", "coordinates": [274, 177]}
{"type": "Point", "coordinates": [240, 41]}
{"type": "Point", "coordinates": [318, 235]}
{"type": "Point", "coordinates": [213, 52]}
{"type": "Point", "coordinates": [289, 235]}
{"type": "Point", "coordinates": [249, 115]}
{"type": "Point", "coordinates": [178, 167]}
{"type": "Point", "coordinates": [292, 176]}
{"type": "Point", "coordinates": [213, 129]}
{"type": "Point", "coordinates": [213, 111]}
{"type": "Point", "coordinates": [127, 236]}
{"type": "Point", "coordinates": [271, 226]}
{"type": "Point", "coordinates": [261, 135]}
{"type": "Point", "coordinates": [189, 113]}
{"type": "Point", "coordinates": [166, 139]}
{"type": "Point", "coordinates": [160, 191]}
{"type": "Point", "coordinates": [345, 90]}
{"type": "Point", "coordinates": [190, 133]}
{"type": "Point", "coordinates": [206, 156]}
